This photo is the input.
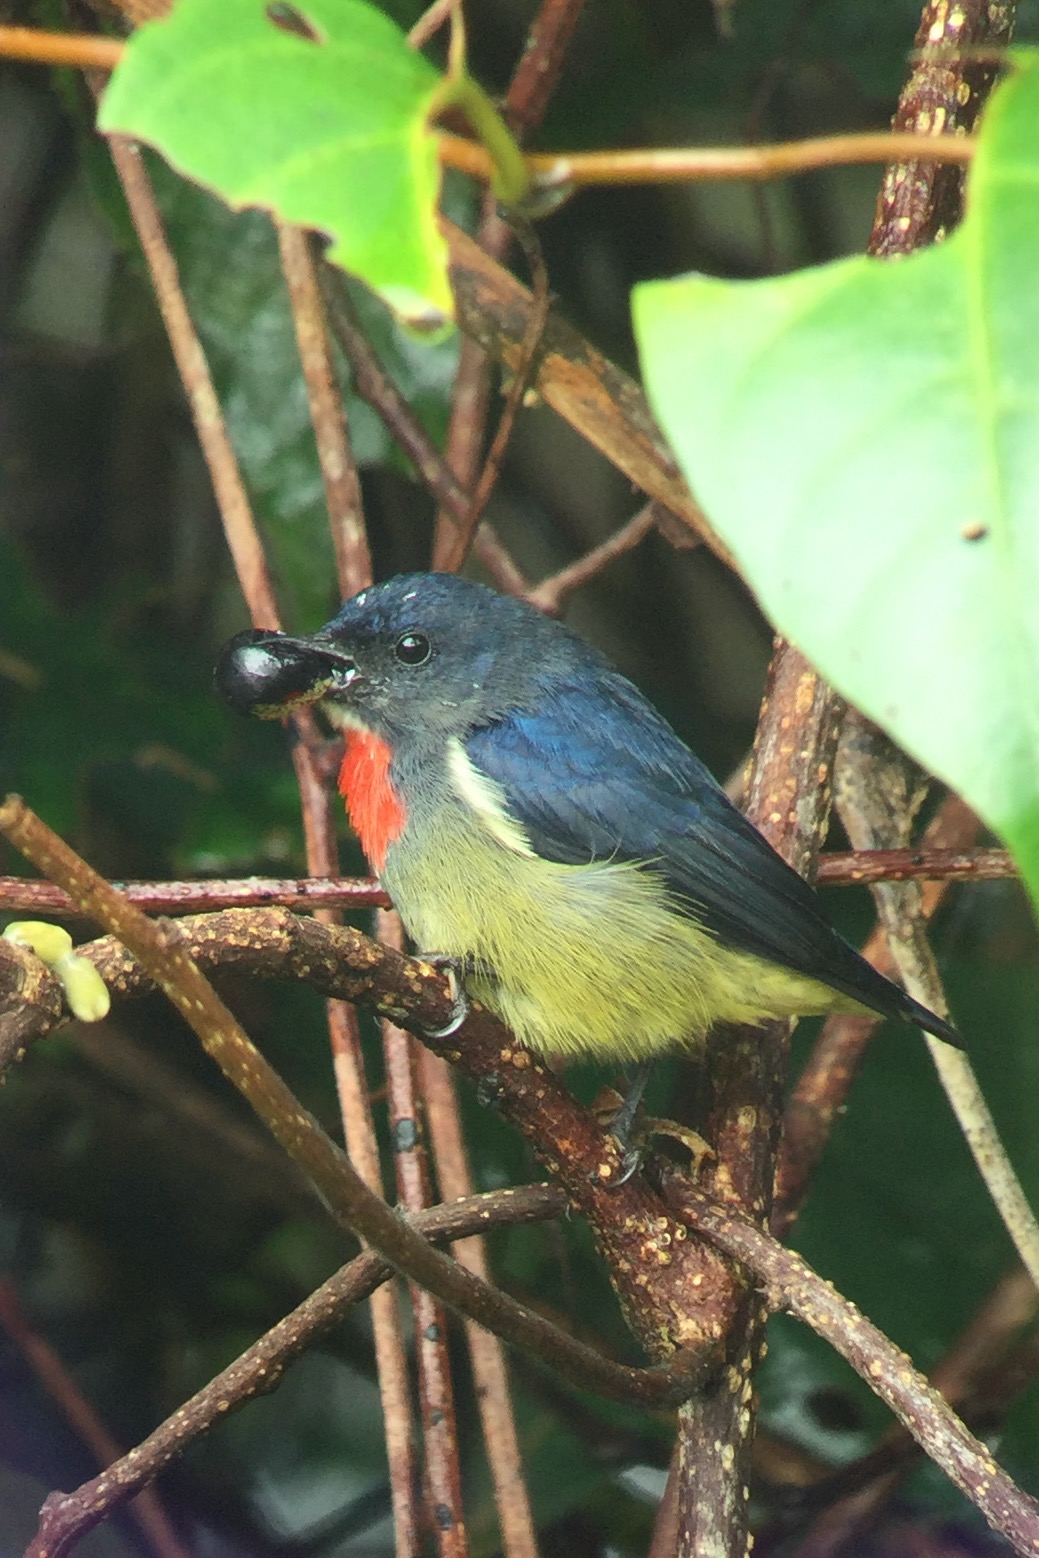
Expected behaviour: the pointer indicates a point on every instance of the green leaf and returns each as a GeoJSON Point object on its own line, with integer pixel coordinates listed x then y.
{"type": "Point", "coordinates": [864, 437]}
{"type": "Point", "coordinates": [327, 126]}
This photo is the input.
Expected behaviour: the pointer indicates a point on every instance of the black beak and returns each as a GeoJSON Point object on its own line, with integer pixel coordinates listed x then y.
{"type": "Point", "coordinates": [268, 674]}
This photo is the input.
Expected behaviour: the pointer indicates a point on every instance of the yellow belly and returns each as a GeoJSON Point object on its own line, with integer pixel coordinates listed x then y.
{"type": "Point", "coordinates": [584, 960]}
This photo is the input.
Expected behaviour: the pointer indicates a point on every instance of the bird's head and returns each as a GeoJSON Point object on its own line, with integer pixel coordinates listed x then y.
{"type": "Point", "coordinates": [431, 653]}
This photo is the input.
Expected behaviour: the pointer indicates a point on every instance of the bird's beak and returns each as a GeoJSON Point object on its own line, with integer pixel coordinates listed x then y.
{"type": "Point", "coordinates": [269, 674]}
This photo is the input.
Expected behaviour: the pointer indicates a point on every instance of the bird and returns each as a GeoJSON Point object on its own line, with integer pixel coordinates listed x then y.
{"type": "Point", "coordinates": [538, 824]}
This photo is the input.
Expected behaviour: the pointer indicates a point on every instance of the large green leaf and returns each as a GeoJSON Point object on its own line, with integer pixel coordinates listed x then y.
{"type": "Point", "coordinates": [327, 126]}
{"type": "Point", "coordinates": [865, 437]}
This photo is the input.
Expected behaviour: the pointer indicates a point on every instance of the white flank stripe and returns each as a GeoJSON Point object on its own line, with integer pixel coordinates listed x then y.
{"type": "Point", "coordinates": [486, 798]}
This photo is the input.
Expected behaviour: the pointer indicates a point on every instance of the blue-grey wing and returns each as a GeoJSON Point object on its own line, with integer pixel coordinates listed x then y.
{"type": "Point", "coordinates": [595, 773]}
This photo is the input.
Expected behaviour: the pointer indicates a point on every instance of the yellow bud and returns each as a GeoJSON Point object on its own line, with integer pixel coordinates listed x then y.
{"type": "Point", "coordinates": [85, 991]}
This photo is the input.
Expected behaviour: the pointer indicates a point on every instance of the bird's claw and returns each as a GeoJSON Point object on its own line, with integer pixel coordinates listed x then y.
{"type": "Point", "coordinates": [631, 1161]}
{"type": "Point", "coordinates": [455, 970]}
{"type": "Point", "coordinates": [618, 1115]}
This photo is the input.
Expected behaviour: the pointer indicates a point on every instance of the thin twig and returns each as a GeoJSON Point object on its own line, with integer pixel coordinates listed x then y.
{"type": "Point", "coordinates": [487, 1356]}
{"type": "Point", "coordinates": [562, 174]}
{"type": "Point", "coordinates": [442, 1478]}
{"type": "Point", "coordinates": [460, 538]}
{"type": "Point", "coordinates": [363, 1149]}
{"type": "Point", "coordinates": [86, 51]}
{"type": "Point", "coordinates": [66, 1517]}
{"type": "Point", "coordinates": [374, 385]}
{"type": "Point", "coordinates": [792, 1285]}
{"type": "Point", "coordinates": [822, 1088]}
{"type": "Point", "coordinates": [232, 499]}
{"type": "Point", "coordinates": [846, 868]}
{"type": "Point", "coordinates": [146, 1509]}
{"type": "Point", "coordinates": [973, 1377]}
{"type": "Point", "coordinates": [431, 21]}
{"type": "Point", "coordinates": [470, 402]}
{"type": "Point", "coordinates": [869, 762]}
{"type": "Point", "coordinates": [335, 456]}
{"type": "Point", "coordinates": [552, 594]}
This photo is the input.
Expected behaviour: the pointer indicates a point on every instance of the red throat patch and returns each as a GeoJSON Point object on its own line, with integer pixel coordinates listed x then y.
{"type": "Point", "coordinates": [376, 810]}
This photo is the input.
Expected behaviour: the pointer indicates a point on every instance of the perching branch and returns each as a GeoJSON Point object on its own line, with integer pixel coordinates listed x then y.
{"type": "Point", "coordinates": [683, 1312]}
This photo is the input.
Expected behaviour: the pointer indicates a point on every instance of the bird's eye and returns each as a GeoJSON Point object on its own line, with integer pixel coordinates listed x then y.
{"type": "Point", "coordinates": [413, 649]}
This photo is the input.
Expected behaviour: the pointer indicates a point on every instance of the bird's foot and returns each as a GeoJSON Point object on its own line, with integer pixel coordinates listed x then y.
{"type": "Point", "coordinates": [621, 1121]}
{"type": "Point", "coordinates": [456, 970]}
{"type": "Point", "coordinates": [631, 1133]}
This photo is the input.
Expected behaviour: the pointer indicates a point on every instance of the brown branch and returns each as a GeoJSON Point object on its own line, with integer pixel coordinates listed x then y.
{"type": "Point", "coordinates": [346, 520]}
{"type": "Point", "coordinates": [955, 64]}
{"type": "Point", "coordinates": [845, 868]}
{"type": "Point", "coordinates": [458, 541]}
{"type": "Point", "coordinates": [470, 401]}
{"type": "Point", "coordinates": [486, 1354]}
{"type": "Point", "coordinates": [442, 1479]}
{"type": "Point", "coordinates": [791, 1285]}
{"type": "Point", "coordinates": [374, 385]}
{"type": "Point", "coordinates": [335, 456]}
{"type": "Point", "coordinates": [676, 1315]}
{"type": "Point", "coordinates": [22, 895]}
{"type": "Point", "coordinates": [541, 64]}
{"type": "Point", "coordinates": [989, 1365]}
{"type": "Point", "coordinates": [66, 1517]}
{"type": "Point", "coordinates": [559, 175]}
{"type": "Point", "coordinates": [146, 1509]}
{"type": "Point", "coordinates": [928, 863]}
{"type": "Point", "coordinates": [552, 594]}
{"type": "Point", "coordinates": [788, 799]}
{"type": "Point", "coordinates": [600, 402]}
{"type": "Point", "coordinates": [232, 499]}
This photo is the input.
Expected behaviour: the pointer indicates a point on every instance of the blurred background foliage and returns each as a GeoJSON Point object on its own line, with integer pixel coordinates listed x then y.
{"type": "Point", "coordinates": [150, 1229]}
